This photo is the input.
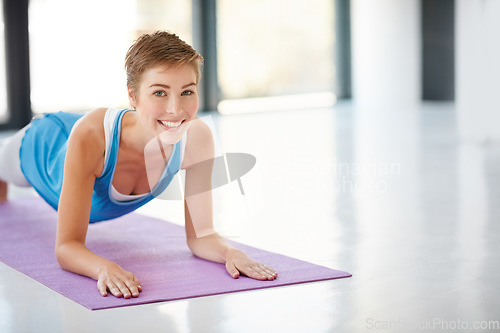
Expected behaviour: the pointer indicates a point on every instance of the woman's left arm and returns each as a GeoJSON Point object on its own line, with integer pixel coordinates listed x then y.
{"type": "Point", "coordinates": [202, 239]}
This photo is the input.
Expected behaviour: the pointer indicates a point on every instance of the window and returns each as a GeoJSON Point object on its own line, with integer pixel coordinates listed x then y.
{"type": "Point", "coordinates": [271, 48]}
{"type": "Point", "coordinates": [77, 48]}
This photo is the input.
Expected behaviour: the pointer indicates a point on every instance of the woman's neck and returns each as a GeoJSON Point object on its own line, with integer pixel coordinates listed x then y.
{"type": "Point", "coordinates": [133, 135]}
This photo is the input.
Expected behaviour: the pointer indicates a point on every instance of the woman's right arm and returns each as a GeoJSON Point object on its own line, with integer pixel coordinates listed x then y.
{"type": "Point", "coordinates": [84, 162]}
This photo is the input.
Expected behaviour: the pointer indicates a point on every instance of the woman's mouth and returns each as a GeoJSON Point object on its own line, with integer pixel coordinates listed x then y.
{"type": "Point", "coordinates": [171, 126]}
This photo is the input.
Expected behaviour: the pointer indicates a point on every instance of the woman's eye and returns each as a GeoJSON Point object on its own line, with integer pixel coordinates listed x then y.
{"type": "Point", "coordinates": [160, 93]}
{"type": "Point", "coordinates": [187, 92]}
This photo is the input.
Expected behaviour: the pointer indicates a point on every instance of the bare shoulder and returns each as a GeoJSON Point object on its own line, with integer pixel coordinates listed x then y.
{"type": "Point", "coordinates": [87, 141]}
{"type": "Point", "coordinates": [89, 129]}
{"type": "Point", "coordinates": [199, 144]}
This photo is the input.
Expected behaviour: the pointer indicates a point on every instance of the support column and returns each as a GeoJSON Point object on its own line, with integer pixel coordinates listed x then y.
{"type": "Point", "coordinates": [478, 69]}
{"type": "Point", "coordinates": [386, 52]}
{"type": "Point", "coordinates": [205, 42]}
{"type": "Point", "coordinates": [15, 16]}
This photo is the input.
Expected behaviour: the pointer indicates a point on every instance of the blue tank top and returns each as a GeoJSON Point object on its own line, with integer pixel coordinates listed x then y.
{"type": "Point", "coordinates": [42, 155]}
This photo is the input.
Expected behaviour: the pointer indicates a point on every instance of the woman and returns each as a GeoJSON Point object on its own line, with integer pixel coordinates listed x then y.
{"type": "Point", "coordinates": [109, 162]}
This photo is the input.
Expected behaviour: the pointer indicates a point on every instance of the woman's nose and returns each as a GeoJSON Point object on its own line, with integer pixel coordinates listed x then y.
{"type": "Point", "coordinates": [173, 105]}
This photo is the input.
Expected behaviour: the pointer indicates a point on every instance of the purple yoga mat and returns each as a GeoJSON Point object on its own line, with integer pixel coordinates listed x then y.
{"type": "Point", "coordinates": [154, 250]}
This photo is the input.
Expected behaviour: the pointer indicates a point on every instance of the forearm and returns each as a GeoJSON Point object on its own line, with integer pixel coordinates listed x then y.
{"type": "Point", "coordinates": [77, 258]}
{"type": "Point", "coordinates": [212, 247]}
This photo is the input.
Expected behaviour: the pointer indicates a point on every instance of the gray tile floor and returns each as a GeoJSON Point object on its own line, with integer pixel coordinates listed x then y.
{"type": "Point", "coordinates": [390, 195]}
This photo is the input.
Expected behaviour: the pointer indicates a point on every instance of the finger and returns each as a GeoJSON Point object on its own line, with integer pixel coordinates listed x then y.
{"type": "Point", "coordinates": [138, 284]}
{"type": "Point", "coordinates": [231, 269]}
{"type": "Point", "coordinates": [114, 290]}
{"type": "Point", "coordinates": [102, 288]}
{"type": "Point", "coordinates": [269, 269]}
{"type": "Point", "coordinates": [259, 269]}
{"type": "Point", "coordinates": [134, 290]}
{"type": "Point", "coordinates": [265, 272]}
{"type": "Point", "coordinates": [124, 290]}
{"type": "Point", "coordinates": [253, 273]}
{"type": "Point", "coordinates": [271, 274]}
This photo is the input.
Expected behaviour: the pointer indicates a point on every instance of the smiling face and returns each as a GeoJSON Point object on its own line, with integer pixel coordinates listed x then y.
{"type": "Point", "coordinates": [166, 100]}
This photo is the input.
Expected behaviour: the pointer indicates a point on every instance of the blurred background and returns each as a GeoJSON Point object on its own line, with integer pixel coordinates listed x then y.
{"type": "Point", "coordinates": [375, 128]}
{"type": "Point", "coordinates": [68, 55]}
{"type": "Point", "coordinates": [76, 49]}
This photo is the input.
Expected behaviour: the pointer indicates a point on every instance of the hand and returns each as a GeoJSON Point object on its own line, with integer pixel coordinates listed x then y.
{"type": "Point", "coordinates": [238, 263]}
{"type": "Point", "coordinates": [118, 281]}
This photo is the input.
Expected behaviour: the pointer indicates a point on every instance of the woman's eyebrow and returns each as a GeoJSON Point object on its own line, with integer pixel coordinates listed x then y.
{"type": "Point", "coordinates": [159, 85]}
{"type": "Point", "coordinates": [188, 85]}
{"type": "Point", "coordinates": [168, 87]}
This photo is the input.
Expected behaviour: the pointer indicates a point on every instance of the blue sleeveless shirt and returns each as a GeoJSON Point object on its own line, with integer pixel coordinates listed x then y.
{"type": "Point", "coordinates": [42, 155]}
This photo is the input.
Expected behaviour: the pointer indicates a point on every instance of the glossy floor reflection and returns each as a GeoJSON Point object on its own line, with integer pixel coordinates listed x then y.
{"type": "Point", "coordinates": [390, 195]}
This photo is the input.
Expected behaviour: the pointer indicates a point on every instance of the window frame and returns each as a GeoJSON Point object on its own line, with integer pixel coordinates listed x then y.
{"type": "Point", "coordinates": [15, 13]}
{"type": "Point", "coordinates": [17, 72]}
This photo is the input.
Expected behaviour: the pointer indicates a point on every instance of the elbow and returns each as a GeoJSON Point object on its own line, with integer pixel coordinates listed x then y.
{"type": "Point", "coordinates": [61, 251]}
{"type": "Point", "coordinates": [196, 247]}
{"type": "Point", "coordinates": [191, 243]}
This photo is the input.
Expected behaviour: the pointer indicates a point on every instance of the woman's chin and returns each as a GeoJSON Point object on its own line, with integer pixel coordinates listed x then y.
{"type": "Point", "coordinates": [174, 135]}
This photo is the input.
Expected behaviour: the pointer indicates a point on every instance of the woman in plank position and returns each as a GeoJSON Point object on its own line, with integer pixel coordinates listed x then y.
{"type": "Point", "coordinates": [109, 162]}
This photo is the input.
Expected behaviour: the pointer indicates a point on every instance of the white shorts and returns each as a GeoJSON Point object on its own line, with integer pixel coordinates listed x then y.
{"type": "Point", "coordinates": [10, 164]}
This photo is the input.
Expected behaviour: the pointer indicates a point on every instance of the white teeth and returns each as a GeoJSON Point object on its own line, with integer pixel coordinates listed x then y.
{"type": "Point", "coordinates": [171, 124]}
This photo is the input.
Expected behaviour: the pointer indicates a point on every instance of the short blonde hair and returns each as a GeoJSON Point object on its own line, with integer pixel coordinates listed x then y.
{"type": "Point", "coordinates": [159, 48]}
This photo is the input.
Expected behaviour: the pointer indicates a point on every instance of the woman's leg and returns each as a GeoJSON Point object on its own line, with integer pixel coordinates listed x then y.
{"type": "Point", "coordinates": [3, 184]}
{"type": "Point", "coordinates": [3, 191]}
{"type": "Point", "coordinates": [10, 165]}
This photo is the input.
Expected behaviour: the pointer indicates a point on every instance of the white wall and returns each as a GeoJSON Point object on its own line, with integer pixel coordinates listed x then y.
{"type": "Point", "coordinates": [477, 71]}
{"type": "Point", "coordinates": [386, 52]}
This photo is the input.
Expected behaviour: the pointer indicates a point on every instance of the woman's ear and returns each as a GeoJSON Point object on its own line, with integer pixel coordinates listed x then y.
{"type": "Point", "coordinates": [131, 97]}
